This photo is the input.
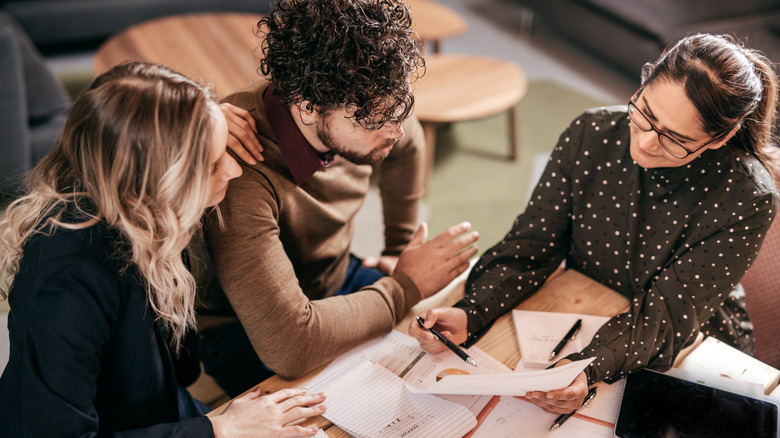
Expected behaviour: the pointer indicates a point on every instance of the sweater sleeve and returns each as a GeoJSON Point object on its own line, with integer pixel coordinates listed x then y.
{"type": "Point", "coordinates": [69, 322]}
{"type": "Point", "coordinates": [261, 284]}
{"type": "Point", "coordinates": [681, 298]}
{"type": "Point", "coordinates": [534, 247]}
{"type": "Point", "coordinates": [402, 185]}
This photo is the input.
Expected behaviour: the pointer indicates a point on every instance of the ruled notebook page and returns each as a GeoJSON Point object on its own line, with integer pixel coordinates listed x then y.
{"type": "Point", "coordinates": [367, 400]}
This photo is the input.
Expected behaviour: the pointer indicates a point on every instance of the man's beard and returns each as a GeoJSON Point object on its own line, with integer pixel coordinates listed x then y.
{"type": "Point", "coordinates": [371, 158]}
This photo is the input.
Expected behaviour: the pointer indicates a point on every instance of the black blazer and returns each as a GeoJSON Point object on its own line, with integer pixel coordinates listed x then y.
{"type": "Point", "coordinates": [87, 358]}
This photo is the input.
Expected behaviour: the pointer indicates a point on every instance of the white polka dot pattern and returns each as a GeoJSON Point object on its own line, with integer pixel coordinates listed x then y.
{"type": "Point", "coordinates": [675, 241]}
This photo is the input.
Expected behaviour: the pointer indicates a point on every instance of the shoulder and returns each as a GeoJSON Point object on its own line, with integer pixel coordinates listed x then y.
{"type": "Point", "coordinates": [601, 118]}
{"type": "Point", "coordinates": [756, 176]}
{"type": "Point", "coordinates": [249, 96]}
{"type": "Point", "coordinates": [596, 134]}
{"type": "Point", "coordinates": [96, 242]}
{"type": "Point", "coordinates": [73, 272]}
{"type": "Point", "coordinates": [598, 124]}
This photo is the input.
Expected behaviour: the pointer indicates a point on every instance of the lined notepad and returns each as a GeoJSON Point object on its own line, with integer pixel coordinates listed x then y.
{"type": "Point", "coordinates": [370, 401]}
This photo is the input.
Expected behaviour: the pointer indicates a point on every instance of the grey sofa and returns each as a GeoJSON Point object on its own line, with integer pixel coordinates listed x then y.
{"type": "Point", "coordinates": [33, 102]}
{"type": "Point", "coordinates": [628, 33]}
{"type": "Point", "coordinates": [32, 105]}
{"type": "Point", "coordinates": [62, 25]}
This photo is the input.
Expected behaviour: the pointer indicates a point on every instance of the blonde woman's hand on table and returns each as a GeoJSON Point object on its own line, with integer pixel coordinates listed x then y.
{"type": "Point", "coordinates": [257, 415]}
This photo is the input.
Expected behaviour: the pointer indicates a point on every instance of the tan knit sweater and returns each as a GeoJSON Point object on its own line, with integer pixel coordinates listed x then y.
{"type": "Point", "coordinates": [284, 250]}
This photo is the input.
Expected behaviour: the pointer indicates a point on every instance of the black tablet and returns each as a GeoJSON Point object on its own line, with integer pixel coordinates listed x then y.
{"type": "Point", "coordinates": [657, 405]}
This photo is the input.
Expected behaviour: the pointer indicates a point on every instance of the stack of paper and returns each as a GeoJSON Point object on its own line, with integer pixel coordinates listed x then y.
{"type": "Point", "coordinates": [369, 401]}
{"type": "Point", "coordinates": [716, 357]}
{"type": "Point", "coordinates": [385, 388]}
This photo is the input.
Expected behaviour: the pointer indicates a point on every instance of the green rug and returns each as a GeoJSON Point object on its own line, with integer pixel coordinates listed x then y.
{"type": "Point", "coordinates": [473, 178]}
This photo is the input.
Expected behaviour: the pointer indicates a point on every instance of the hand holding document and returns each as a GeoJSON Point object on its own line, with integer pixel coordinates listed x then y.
{"type": "Point", "coordinates": [508, 384]}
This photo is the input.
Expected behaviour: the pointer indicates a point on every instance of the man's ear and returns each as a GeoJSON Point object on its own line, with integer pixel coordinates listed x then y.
{"type": "Point", "coordinates": [307, 116]}
{"type": "Point", "coordinates": [725, 139]}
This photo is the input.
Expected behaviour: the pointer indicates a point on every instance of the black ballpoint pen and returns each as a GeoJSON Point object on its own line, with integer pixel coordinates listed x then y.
{"type": "Point", "coordinates": [451, 345]}
{"type": "Point", "coordinates": [562, 418]}
{"type": "Point", "coordinates": [569, 336]}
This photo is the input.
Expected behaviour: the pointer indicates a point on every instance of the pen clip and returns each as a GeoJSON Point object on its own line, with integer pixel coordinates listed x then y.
{"type": "Point", "coordinates": [589, 398]}
{"type": "Point", "coordinates": [574, 335]}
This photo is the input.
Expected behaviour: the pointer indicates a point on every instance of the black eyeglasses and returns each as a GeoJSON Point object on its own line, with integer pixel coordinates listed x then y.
{"type": "Point", "coordinates": [674, 147]}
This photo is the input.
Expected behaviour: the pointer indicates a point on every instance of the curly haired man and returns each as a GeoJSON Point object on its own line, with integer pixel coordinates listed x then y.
{"type": "Point", "coordinates": [335, 99]}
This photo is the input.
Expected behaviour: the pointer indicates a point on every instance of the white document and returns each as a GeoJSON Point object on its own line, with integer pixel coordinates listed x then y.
{"type": "Point", "coordinates": [606, 404]}
{"type": "Point", "coordinates": [715, 357]}
{"type": "Point", "coordinates": [713, 380]}
{"type": "Point", "coordinates": [517, 383]}
{"type": "Point", "coordinates": [369, 401]}
{"type": "Point", "coordinates": [539, 332]}
{"type": "Point", "coordinates": [401, 354]}
{"type": "Point", "coordinates": [513, 417]}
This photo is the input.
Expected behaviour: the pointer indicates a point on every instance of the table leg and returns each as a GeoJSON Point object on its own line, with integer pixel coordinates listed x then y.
{"type": "Point", "coordinates": [429, 130]}
{"type": "Point", "coordinates": [513, 133]}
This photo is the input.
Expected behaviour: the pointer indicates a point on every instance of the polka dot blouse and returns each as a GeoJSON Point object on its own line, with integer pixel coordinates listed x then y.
{"type": "Point", "coordinates": [674, 241]}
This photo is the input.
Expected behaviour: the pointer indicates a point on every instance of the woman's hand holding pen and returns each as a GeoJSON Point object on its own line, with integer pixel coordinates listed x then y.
{"type": "Point", "coordinates": [561, 401]}
{"type": "Point", "coordinates": [450, 321]}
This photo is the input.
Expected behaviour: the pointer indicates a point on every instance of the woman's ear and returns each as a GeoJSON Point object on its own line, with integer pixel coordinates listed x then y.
{"type": "Point", "coordinates": [725, 139]}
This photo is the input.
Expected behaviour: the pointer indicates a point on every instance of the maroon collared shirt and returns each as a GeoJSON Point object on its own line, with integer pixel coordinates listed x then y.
{"type": "Point", "coordinates": [301, 157]}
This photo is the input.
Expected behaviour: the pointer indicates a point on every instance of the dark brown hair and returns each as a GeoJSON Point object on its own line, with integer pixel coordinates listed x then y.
{"type": "Point", "coordinates": [335, 53]}
{"type": "Point", "coordinates": [729, 84]}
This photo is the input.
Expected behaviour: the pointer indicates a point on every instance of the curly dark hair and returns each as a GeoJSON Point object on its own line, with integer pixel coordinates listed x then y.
{"type": "Point", "coordinates": [335, 53]}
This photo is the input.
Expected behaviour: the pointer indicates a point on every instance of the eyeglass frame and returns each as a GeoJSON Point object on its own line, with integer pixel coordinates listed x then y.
{"type": "Point", "coordinates": [632, 103]}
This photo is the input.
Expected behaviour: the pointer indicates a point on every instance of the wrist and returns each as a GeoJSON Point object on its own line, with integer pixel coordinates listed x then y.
{"type": "Point", "coordinates": [219, 426]}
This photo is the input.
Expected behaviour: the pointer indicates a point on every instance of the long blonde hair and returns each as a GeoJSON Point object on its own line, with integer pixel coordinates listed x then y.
{"type": "Point", "coordinates": [135, 146]}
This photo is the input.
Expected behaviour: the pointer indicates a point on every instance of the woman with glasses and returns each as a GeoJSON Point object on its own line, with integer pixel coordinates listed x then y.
{"type": "Point", "coordinates": [102, 301]}
{"type": "Point", "coordinates": [666, 201]}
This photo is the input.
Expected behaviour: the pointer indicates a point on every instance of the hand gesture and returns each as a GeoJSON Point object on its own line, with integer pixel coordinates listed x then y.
{"type": "Point", "coordinates": [257, 415]}
{"type": "Point", "coordinates": [561, 401]}
{"type": "Point", "coordinates": [434, 264]}
{"type": "Point", "coordinates": [243, 133]}
{"type": "Point", "coordinates": [450, 321]}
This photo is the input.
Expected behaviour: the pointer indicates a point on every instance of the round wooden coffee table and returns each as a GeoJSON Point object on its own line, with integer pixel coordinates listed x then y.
{"type": "Point", "coordinates": [218, 49]}
{"type": "Point", "coordinates": [457, 88]}
{"type": "Point", "coordinates": [434, 21]}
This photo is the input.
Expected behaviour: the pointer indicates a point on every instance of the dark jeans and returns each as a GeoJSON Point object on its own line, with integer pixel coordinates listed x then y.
{"type": "Point", "coordinates": [228, 355]}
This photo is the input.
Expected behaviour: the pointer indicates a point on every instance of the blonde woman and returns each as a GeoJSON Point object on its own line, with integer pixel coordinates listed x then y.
{"type": "Point", "coordinates": [102, 299]}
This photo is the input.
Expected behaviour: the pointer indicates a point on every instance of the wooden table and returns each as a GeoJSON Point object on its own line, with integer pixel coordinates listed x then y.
{"type": "Point", "coordinates": [434, 21]}
{"type": "Point", "coordinates": [565, 291]}
{"type": "Point", "coordinates": [218, 49]}
{"type": "Point", "coordinates": [457, 88]}
{"type": "Point", "coordinates": [222, 49]}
